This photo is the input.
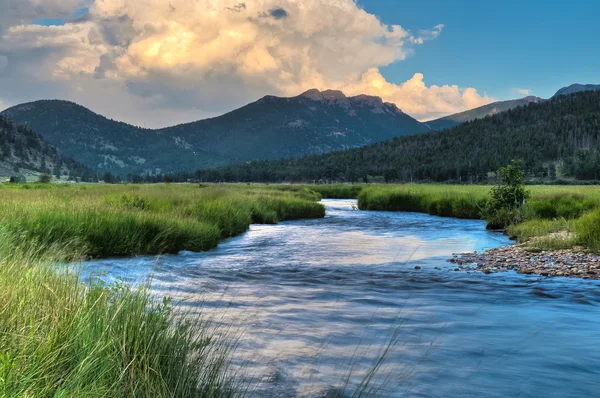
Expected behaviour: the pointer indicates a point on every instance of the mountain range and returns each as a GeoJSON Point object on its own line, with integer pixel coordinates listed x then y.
{"type": "Point", "coordinates": [556, 138]}
{"type": "Point", "coordinates": [271, 128]}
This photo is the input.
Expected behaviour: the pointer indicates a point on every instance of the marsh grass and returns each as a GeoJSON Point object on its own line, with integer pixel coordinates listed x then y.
{"type": "Point", "coordinates": [438, 200]}
{"type": "Point", "coordinates": [103, 221]}
{"type": "Point", "coordinates": [60, 337]}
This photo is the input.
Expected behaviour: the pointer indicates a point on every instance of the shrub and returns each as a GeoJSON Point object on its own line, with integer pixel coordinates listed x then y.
{"type": "Point", "coordinates": [45, 178]}
{"type": "Point", "coordinates": [508, 197]}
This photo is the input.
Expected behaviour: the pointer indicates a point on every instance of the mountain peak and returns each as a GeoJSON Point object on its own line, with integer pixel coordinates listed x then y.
{"type": "Point", "coordinates": [575, 88]}
{"type": "Point", "coordinates": [329, 95]}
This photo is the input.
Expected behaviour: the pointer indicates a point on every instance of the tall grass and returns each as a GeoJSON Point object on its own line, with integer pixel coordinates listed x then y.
{"type": "Point", "coordinates": [438, 200]}
{"type": "Point", "coordinates": [102, 221]}
{"type": "Point", "coordinates": [62, 338]}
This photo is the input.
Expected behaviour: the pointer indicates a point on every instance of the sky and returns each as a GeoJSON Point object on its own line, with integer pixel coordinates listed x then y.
{"type": "Point", "coordinates": [157, 63]}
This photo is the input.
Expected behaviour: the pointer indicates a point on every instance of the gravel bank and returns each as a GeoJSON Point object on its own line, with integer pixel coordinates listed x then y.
{"type": "Point", "coordinates": [569, 263]}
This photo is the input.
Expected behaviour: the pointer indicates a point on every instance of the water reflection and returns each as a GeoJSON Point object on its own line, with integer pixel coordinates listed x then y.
{"type": "Point", "coordinates": [316, 298]}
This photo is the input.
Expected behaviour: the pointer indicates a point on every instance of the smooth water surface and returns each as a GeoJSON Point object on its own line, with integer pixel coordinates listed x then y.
{"type": "Point", "coordinates": [313, 301]}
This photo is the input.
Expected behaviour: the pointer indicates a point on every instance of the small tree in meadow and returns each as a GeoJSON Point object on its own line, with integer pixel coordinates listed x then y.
{"type": "Point", "coordinates": [507, 197]}
{"type": "Point", "coordinates": [45, 178]}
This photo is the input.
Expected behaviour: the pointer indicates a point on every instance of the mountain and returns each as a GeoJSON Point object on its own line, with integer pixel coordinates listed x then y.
{"type": "Point", "coordinates": [479, 113]}
{"type": "Point", "coordinates": [576, 88]}
{"type": "Point", "coordinates": [103, 144]}
{"type": "Point", "coordinates": [270, 128]}
{"type": "Point", "coordinates": [560, 136]}
{"type": "Point", "coordinates": [22, 151]}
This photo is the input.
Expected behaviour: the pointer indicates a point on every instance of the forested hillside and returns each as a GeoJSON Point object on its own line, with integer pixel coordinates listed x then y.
{"type": "Point", "coordinates": [559, 136]}
{"type": "Point", "coordinates": [478, 113]}
{"type": "Point", "coordinates": [24, 151]}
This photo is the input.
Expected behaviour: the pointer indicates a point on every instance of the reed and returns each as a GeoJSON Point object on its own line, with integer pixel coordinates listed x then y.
{"type": "Point", "coordinates": [103, 221]}
{"type": "Point", "coordinates": [60, 337]}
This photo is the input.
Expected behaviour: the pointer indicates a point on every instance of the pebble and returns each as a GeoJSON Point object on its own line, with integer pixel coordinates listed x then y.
{"type": "Point", "coordinates": [574, 263]}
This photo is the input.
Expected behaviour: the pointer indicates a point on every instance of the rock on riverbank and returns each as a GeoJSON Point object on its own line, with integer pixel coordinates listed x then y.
{"type": "Point", "coordinates": [569, 263]}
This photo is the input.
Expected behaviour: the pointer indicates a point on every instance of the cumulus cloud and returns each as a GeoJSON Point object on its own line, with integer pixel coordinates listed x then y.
{"type": "Point", "coordinates": [416, 98]}
{"type": "Point", "coordinates": [521, 91]}
{"type": "Point", "coordinates": [180, 60]}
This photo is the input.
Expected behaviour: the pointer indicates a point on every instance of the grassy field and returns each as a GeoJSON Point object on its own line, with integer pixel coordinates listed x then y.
{"type": "Point", "coordinates": [60, 337]}
{"type": "Point", "coordinates": [107, 220]}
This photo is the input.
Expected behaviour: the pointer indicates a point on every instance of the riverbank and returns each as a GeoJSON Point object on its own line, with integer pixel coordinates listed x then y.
{"type": "Point", "coordinates": [575, 263]}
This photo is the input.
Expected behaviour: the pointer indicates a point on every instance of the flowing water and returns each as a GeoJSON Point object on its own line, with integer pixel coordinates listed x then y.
{"type": "Point", "coordinates": [314, 301]}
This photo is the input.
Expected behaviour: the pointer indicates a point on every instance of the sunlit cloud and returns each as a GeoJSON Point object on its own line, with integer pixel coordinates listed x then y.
{"type": "Point", "coordinates": [184, 60]}
{"type": "Point", "coordinates": [520, 91]}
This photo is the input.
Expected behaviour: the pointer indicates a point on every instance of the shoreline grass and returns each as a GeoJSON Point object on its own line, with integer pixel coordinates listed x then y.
{"type": "Point", "coordinates": [106, 221]}
{"type": "Point", "coordinates": [62, 337]}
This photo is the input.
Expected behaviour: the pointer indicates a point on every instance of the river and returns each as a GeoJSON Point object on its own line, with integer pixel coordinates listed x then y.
{"type": "Point", "coordinates": [314, 299]}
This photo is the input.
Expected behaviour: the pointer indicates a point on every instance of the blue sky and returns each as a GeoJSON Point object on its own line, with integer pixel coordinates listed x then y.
{"type": "Point", "coordinates": [60, 21]}
{"type": "Point", "coordinates": [497, 46]}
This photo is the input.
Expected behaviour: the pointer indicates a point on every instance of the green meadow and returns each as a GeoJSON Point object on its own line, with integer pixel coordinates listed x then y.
{"type": "Point", "coordinates": [116, 220]}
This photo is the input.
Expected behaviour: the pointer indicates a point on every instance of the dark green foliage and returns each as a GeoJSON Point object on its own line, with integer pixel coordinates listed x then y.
{"type": "Point", "coordinates": [510, 191]}
{"type": "Point", "coordinates": [45, 178]}
{"type": "Point", "coordinates": [478, 113]}
{"type": "Point", "coordinates": [507, 197]}
{"type": "Point", "coordinates": [562, 131]}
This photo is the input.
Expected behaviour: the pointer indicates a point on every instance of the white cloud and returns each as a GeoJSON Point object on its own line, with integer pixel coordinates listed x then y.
{"type": "Point", "coordinates": [415, 98]}
{"type": "Point", "coordinates": [520, 91]}
{"type": "Point", "coordinates": [180, 60]}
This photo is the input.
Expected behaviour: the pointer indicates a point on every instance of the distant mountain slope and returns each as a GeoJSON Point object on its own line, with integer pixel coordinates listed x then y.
{"type": "Point", "coordinates": [24, 151]}
{"type": "Point", "coordinates": [576, 88]}
{"type": "Point", "coordinates": [478, 113]}
{"type": "Point", "coordinates": [103, 144]}
{"type": "Point", "coordinates": [559, 135]}
{"type": "Point", "coordinates": [271, 128]}
{"type": "Point", "coordinates": [314, 122]}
